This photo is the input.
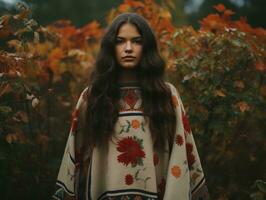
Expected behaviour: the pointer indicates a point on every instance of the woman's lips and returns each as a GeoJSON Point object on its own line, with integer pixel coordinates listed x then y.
{"type": "Point", "coordinates": [128, 58]}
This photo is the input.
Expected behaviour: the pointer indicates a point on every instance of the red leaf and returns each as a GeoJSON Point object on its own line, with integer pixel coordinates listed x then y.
{"type": "Point", "coordinates": [228, 12]}
{"type": "Point", "coordinates": [219, 7]}
{"type": "Point", "coordinates": [260, 66]}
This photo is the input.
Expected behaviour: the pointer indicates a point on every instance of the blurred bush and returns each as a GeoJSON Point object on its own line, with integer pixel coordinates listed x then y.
{"type": "Point", "coordinates": [222, 70]}
{"type": "Point", "coordinates": [218, 69]}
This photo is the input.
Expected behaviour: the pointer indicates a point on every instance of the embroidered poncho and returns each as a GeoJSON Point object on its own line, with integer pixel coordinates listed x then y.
{"type": "Point", "coordinates": [130, 168]}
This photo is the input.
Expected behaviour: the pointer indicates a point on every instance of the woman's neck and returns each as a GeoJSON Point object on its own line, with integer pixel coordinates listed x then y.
{"type": "Point", "coordinates": [128, 75]}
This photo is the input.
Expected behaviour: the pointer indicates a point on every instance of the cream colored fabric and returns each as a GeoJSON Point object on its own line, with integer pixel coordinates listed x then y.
{"type": "Point", "coordinates": [129, 168]}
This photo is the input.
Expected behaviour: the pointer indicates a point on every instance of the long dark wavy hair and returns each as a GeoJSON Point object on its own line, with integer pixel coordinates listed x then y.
{"type": "Point", "coordinates": [103, 96]}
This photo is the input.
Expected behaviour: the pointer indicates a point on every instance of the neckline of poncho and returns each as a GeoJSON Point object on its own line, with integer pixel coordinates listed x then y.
{"type": "Point", "coordinates": [129, 84]}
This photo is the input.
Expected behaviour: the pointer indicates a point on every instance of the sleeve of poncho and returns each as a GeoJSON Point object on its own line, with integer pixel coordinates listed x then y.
{"type": "Point", "coordinates": [68, 176]}
{"type": "Point", "coordinates": [185, 177]}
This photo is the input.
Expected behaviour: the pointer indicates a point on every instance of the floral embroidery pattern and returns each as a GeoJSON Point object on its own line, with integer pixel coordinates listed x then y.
{"type": "Point", "coordinates": [129, 179]}
{"type": "Point", "coordinates": [131, 98]}
{"type": "Point", "coordinates": [138, 197]}
{"type": "Point", "coordinates": [134, 124]}
{"type": "Point", "coordinates": [74, 123]}
{"type": "Point", "coordinates": [194, 177]}
{"type": "Point", "coordinates": [71, 174]}
{"type": "Point", "coordinates": [179, 140]}
{"type": "Point", "coordinates": [125, 198]}
{"type": "Point", "coordinates": [78, 157]}
{"type": "Point", "coordinates": [141, 178]}
{"type": "Point", "coordinates": [161, 188]}
{"type": "Point", "coordinates": [131, 197]}
{"type": "Point", "coordinates": [131, 150]}
{"type": "Point", "coordinates": [176, 171]}
{"type": "Point", "coordinates": [190, 157]}
{"type": "Point", "coordinates": [125, 128]}
{"type": "Point", "coordinates": [189, 148]}
{"type": "Point", "coordinates": [155, 159]}
{"type": "Point", "coordinates": [186, 123]}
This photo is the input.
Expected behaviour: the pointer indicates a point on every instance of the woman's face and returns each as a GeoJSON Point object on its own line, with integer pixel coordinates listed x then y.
{"type": "Point", "coordinates": [128, 48]}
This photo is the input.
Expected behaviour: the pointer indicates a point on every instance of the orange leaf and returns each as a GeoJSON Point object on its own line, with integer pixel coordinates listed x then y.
{"type": "Point", "coordinates": [16, 137]}
{"type": "Point", "coordinates": [134, 3]}
{"type": "Point", "coordinates": [91, 30]}
{"type": "Point", "coordinates": [243, 106]}
{"type": "Point", "coordinates": [21, 116]}
{"type": "Point", "coordinates": [54, 57]}
{"type": "Point", "coordinates": [260, 66]}
{"type": "Point", "coordinates": [219, 7]}
{"type": "Point", "coordinates": [212, 22]}
{"type": "Point", "coordinates": [10, 138]}
{"type": "Point", "coordinates": [5, 88]}
{"type": "Point", "coordinates": [239, 84]}
{"type": "Point", "coordinates": [123, 8]}
{"type": "Point", "coordinates": [165, 14]}
{"type": "Point", "coordinates": [228, 12]}
{"type": "Point", "coordinates": [263, 90]}
{"type": "Point", "coordinates": [219, 93]}
{"type": "Point", "coordinates": [56, 54]}
{"type": "Point", "coordinates": [5, 28]}
{"type": "Point", "coordinates": [42, 139]}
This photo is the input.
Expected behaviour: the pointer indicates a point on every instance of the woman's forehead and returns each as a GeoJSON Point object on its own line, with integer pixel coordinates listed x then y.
{"type": "Point", "coordinates": [128, 30]}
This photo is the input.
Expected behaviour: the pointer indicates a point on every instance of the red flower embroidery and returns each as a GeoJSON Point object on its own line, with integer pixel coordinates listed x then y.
{"type": "Point", "coordinates": [179, 140]}
{"type": "Point", "coordinates": [190, 156]}
{"type": "Point", "coordinates": [75, 113]}
{"type": "Point", "coordinates": [155, 159]}
{"type": "Point", "coordinates": [78, 157]}
{"type": "Point", "coordinates": [129, 179]}
{"type": "Point", "coordinates": [185, 123]}
{"type": "Point", "coordinates": [189, 148]}
{"type": "Point", "coordinates": [176, 171]}
{"type": "Point", "coordinates": [161, 188]}
{"type": "Point", "coordinates": [190, 159]}
{"type": "Point", "coordinates": [74, 122]}
{"type": "Point", "coordinates": [131, 151]}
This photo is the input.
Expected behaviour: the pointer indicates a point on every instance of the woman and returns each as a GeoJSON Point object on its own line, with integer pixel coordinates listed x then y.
{"type": "Point", "coordinates": [130, 138]}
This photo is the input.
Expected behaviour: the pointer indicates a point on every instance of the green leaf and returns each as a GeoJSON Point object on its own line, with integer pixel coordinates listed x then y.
{"type": "Point", "coordinates": [5, 109]}
{"type": "Point", "coordinates": [261, 185]}
{"type": "Point", "coordinates": [137, 174]}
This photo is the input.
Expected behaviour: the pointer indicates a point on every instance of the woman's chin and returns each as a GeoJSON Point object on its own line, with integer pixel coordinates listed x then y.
{"type": "Point", "coordinates": [128, 66]}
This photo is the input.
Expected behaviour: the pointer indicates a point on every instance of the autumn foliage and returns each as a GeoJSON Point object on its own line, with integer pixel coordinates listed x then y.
{"type": "Point", "coordinates": [219, 70]}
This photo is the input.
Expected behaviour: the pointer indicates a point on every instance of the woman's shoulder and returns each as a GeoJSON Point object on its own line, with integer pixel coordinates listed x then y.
{"type": "Point", "coordinates": [82, 98]}
{"type": "Point", "coordinates": [175, 96]}
{"type": "Point", "coordinates": [81, 105]}
{"type": "Point", "coordinates": [172, 88]}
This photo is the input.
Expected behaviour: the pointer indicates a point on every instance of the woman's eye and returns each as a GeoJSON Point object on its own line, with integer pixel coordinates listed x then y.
{"type": "Point", "coordinates": [118, 41]}
{"type": "Point", "coordinates": [138, 41]}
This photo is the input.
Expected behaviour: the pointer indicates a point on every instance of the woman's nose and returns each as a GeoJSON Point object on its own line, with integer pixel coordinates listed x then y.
{"type": "Point", "coordinates": [128, 46]}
